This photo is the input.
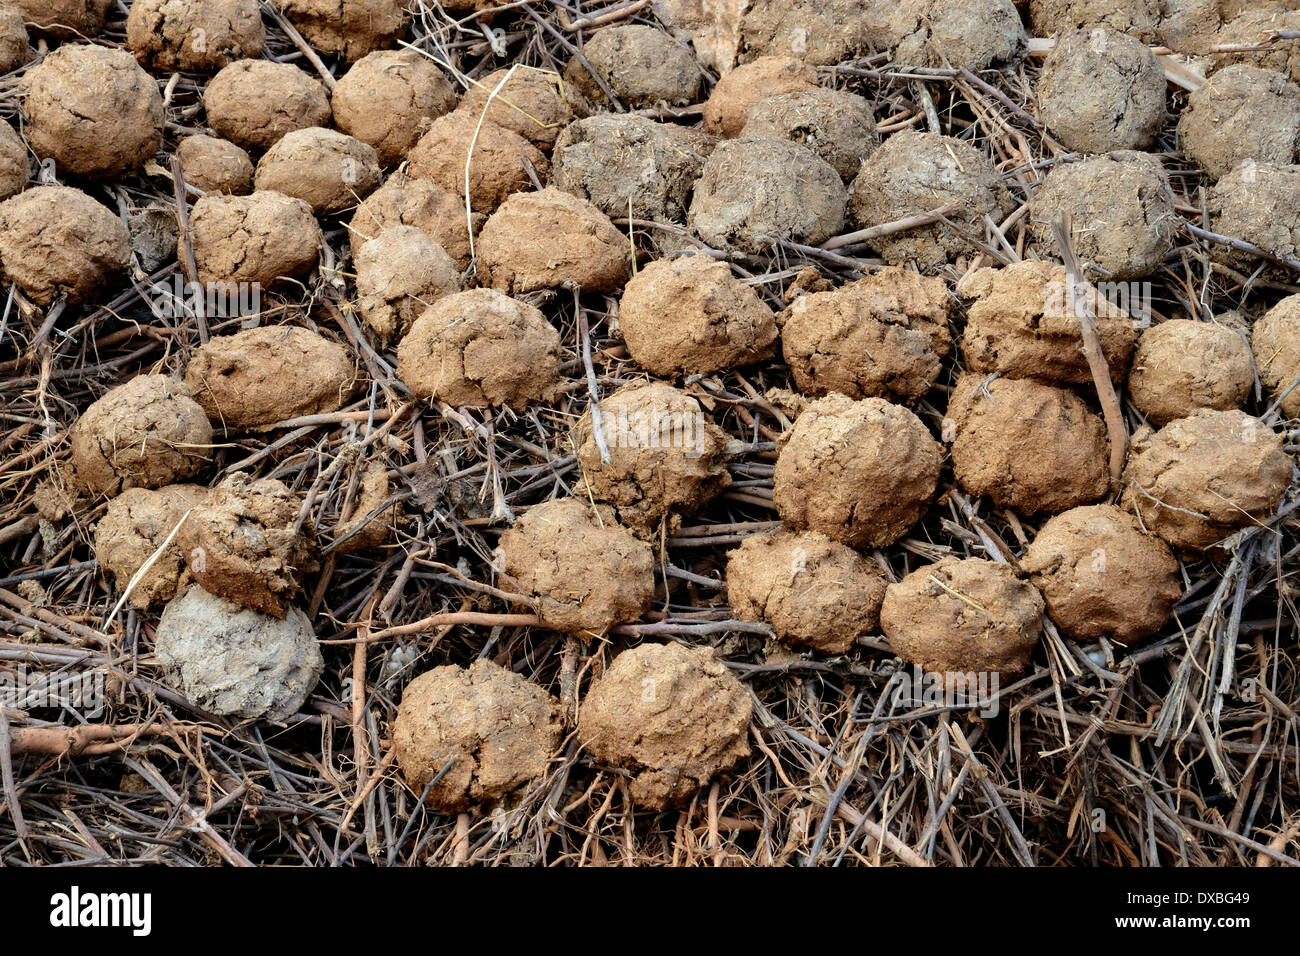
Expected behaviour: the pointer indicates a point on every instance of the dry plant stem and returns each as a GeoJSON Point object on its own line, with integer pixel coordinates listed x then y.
{"type": "Point", "coordinates": [186, 240]}
{"type": "Point", "coordinates": [84, 740]}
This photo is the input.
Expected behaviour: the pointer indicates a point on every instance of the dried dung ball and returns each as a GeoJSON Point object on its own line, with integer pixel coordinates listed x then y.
{"type": "Point", "coordinates": [816, 593]}
{"type": "Point", "coordinates": [134, 528]}
{"type": "Point", "coordinates": [690, 314]}
{"type": "Point", "coordinates": [1181, 365]}
{"type": "Point", "coordinates": [145, 433]}
{"type": "Point", "coordinates": [821, 32]}
{"type": "Point", "coordinates": [480, 348]}
{"type": "Point", "coordinates": [1241, 113]}
{"type": "Point", "coordinates": [406, 201]}
{"type": "Point", "coordinates": [1260, 204]}
{"type": "Point", "coordinates": [963, 615]}
{"type": "Point", "coordinates": [400, 273]}
{"type": "Point", "coordinates": [753, 191]}
{"type": "Point", "coordinates": [1251, 38]}
{"type": "Point", "coordinates": [15, 169]}
{"type": "Point", "coordinates": [641, 65]}
{"type": "Point", "coordinates": [974, 34]}
{"type": "Point", "coordinates": [257, 239]}
{"type": "Point", "coordinates": [666, 458]}
{"type": "Point", "coordinates": [348, 28]}
{"type": "Point", "coordinates": [915, 173]}
{"type": "Point", "coordinates": [530, 104]}
{"type": "Point", "coordinates": [727, 108]}
{"type": "Point", "coordinates": [1100, 91]}
{"type": "Point", "coordinates": [329, 170]}
{"type": "Point", "coordinates": [1023, 322]}
{"type": "Point", "coordinates": [253, 103]}
{"type": "Point", "coordinates": [620, 162]}
{"type": "Point", "coordinates": [216, 165]}
{"type": "Point", "coordinates": [838, 126]}
{"type": "Point", "coordinates": [585, 571]}
{"type": "Point", "coordinates": [1027, 446]}
{"type": "Point", "coordinates": [1200, 478]}
{"type": "Point", "coordinates": [498, 167]}
{"type": "Point", "coordinates": [55, 240]}
{"type": "Point", "coordinates": [1188, 26]}
{"type": "Point", "coordinates": [15, 47]}
{"type": "Point", "coordinates": [357, 530]}
{"type": "Point", "coordinates": [545, 239]}
{"type": "Point", "coordinates": [64, 19]}
{"type": "Point", "coordinates": [492, 731]}
{"type": "Point", "coordinates": [673, 717]}
{"type": "Point", "coordinates": [236, 662]}
{"type": "Point", "coordinates": [92, 110]}
{"type": "Point", "coordinates": [389, 98]}
{"type": "Point", "coordinates": [245, 545]}
{"type": "Point", "coordinates": [268, 374]}
{"type": "Point", "coordinates": [1102, 575]}
{"type": "Point", "coordinates": [1120, 208]}
{"type": "Point", "coordinates": [1136, 18]}
{"type": "Point", "coordinates": [882, 336]}
{"type": "Point", "coordinates": [861, 472]}
{"type": "Point", "coordinates": [188, 36]}
{"type": "Point", "coordinates": [1275, 340]}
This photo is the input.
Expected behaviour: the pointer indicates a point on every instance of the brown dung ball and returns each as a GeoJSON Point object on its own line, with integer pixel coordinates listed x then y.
{"type": "Point", "coordinates": [145, 433]}
{"type": "Point", "coordinates": [1136, 18]}
{"type": "Point", "coordinates": [134, 528]}
{"type": "Point", "coordinates": [690, 314]}
{"type": "Point", "coordinates": [1241, 113]}
{"type": "Point", "coordinates": [666, 458]}
{"type": "Point", "coordinates": [253, 103]}
{"type": "Point", "coordinates": [194, 35]}
{"type": "Point", "coordinates": [64, 19]}
{"type": "Point", "coordinates": [918, 172]}
{"type": "Point", "coordinates": [1189, 25]}
{"type": "Point", "coordinates": [530, 104]}
{"type": "Point", "coordinates": [55, 240]}
{"type": "Point", "coordinates": [92, 110]}
{"type": "Point", "coordinates": [492, 731]}
{"type": "Point", "coordinates": [642, 66]}
{"type": "Point", "coordinates": [546, 239]}
{"type": "Point", "coordinates": [389, 99]}
{"type": "Point", "coordinates": [15, 169]}
{"type": "Point", "coordinates": [356, 529]}
{"type": "Point", "coordinates": [963, 615]}
{"type": "Point", "coordinates": [882, 336]}
{"type": "Point", "coordinates": [838, 126]}
{"type": "Point", "coordinates": [727, 108]}
{"type": "Point", "coordinates": [1100, 91]}
{"type": "Point", "coordinates": [1120, 208]}
{"type": "Point", "coordinates": [861, 472]}
{"type": "Point", "coordinates": [1102, 575]}
{"type": "Point", "coordinates": [974, 34]}
{"type": "Point", "coordinates": [498, 164]}
{"type": "Point", "coordinates": [400, 273]}
{"type": "Point", "coordinates": [1260, 204]}
{"type": "Point", "coordinates": [1200, 478]}
{"type": "Point", "coordinates": [584, 571]}
{"type": "Point", "coordinates": [216, 165]}
{"type": "Point", "coordinates": [327, 169]}
{"type": "Point", "coordinates": [406, 201]}
{"type": "Point", "coordinates": [15, 46]}
{"type": "Point", "coordinates": [1029, 447]}
{"type": "Point", "coordinates": [261, 239]}
{"type": "Point", "coordinates": [480, 348]}
{"type": "Point", "coordinates": [1275, 340]}
{"type": "Point", "coordinates": [817, 594]}
{"type": "Point", "coordinates": [1251, 36]}
{"type": "Point", "coordinates": [348, 28]}
{"type": "Point", "coordinates": [672, 717]}
{"type": "Point", "coordinates": [821, 32]}
{"type": "Point", "coordinates": [1182, 365]}
{"type": "Point", "coordinates": [269, 374]}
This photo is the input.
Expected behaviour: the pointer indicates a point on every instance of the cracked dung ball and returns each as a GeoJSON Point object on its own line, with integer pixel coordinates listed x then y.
{"type": "Point", "coordinates": [135, 526]}
{"type": "Point", "coordinates": [530, 104]}
{"type": "Point", "coordinates": [962, 616]}
{"type": "Point", "coordinates": [269, 374]}
{"type": "Point", "coordinates": [1260, 204]}
{"type": "Point", "coordinates": [1022, 322]}
{"type": "Point", "coordinates": [1200, 478]}
{"type": "Point", "coordinates": [974, 34]}
{"type": "Point", "coordinates": [194, 36]}
{"type": "Point", "coordinates": [642, 66]}
{"type": "Point", "coordinates": [327, 169]}
{"type": "Point", "coordinates": [389, 99]}
{"type": "Point", "coordinates": [1181, 365]}
{"type": "Point", "coordinates": [727, 108]}
{"type": "Point", "coordinates": [493, 731]}
{"type": "Point", "coordinates": [690, 314]}
{"type": "Point", "coordinates": [92, 110]}
{"type": "Point", "coordinates": [258, 239]}
{"type": "Point", "coordinates": [585, 571]}
{"type": "Point", "coordinates": [216, 165]}
{"type": "Point", "coordinates": [1120, 208]}
{"type": "Point", "coordinates": [883, 336]}
{"type": "Point", "coordinates": [914, 173]}
{"type": "Point", "coordinates": [1241, 113]}
{"type": "Point", "coordinates": [480, 348]}
{"type": "Point", "coordinates": [348, 28]}
{"type": "Point", "coordinates": [821, 32]}
{"type": "Point", "coordinates": [15, 45]}
{"type": "Point", "coordinates": [1136, 18]}
{"type": "Point", "coordinates": [236, 662]}
{"type": "Point", "coordinates": [754, 191]}
{"type": "Point", "coordinates": [861, 472]}
{"type": "Point", "coordinates": [666, 458]}
{"type": "Point", "coordinates": [145, 433]}
{"type": "Point", "coordinates": [55, 240]}
{"type": "Point", "coordinates": [1275, 340]}
{"type": "Point", "coordinates": [1027, 446]}
{"type": "Point", "coordinates": [672, 717]}
{"type": "Point", "coordinates": [1102, 575]}
{"type": "Point", "coordinates": [838, 126]}
{"type": "Point", "coordinates": [498, 167]}
{"type": "Point", "coordinates": [400, 273]}
{"type": "Point", "coordinates": [405, 201]}
{"type": "Point", "coordinates": [817, 594]}
{"type": "Point", "coordinates": [244, 544]}
{"type": "Point", "coordinates": [253, 103]}
{"type": "Point", "coordinates": [547, 239]}
{"type": "Point", "coordinates": [64, 19]}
